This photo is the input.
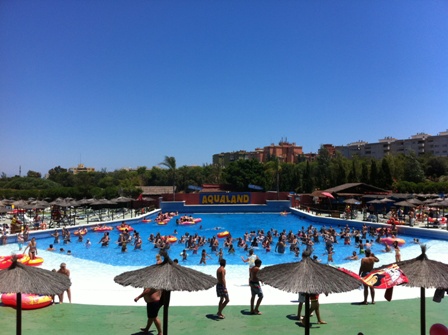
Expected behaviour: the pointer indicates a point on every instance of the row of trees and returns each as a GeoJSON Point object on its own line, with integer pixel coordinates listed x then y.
{"type": "Point", "coordinates": [401, 173]}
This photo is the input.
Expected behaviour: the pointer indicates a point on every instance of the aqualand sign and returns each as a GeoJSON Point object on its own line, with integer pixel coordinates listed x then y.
{"type": "Point", "coordinates": [232, 198]}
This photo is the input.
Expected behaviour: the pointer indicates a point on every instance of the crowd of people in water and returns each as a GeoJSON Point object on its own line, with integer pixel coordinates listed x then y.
{"type": "Point", "coordinates": [273, 240]}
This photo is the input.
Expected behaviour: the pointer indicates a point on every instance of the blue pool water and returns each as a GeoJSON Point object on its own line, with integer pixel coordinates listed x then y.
{"type": "Point", "coordinates": [236, 224]}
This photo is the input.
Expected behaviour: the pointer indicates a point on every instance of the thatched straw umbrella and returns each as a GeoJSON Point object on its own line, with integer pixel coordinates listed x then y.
{"type": "Point", "coordinates": [352, 201]}
{"type": "Point", "coordinates": [19, 278]}
{"type": "Point", "coordinates": [404, 203]}
{"type": "Point", "coordinates": [121, 201]}
{"type": "Point", "coordinates": [415, 201]}
{"type": "Point", "coordinates": [307, 276]}
{"type": "Point", "coordinates": [424, 273]}
{"type": "Point", "coordinates": [169, 277]}
{"type": "Point", "coordinates": [20, 204]}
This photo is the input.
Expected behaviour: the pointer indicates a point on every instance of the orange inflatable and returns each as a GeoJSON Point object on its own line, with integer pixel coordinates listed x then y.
{"type": "Point", "coordinates": [223, 234]}
{"type": "Point", "coordinates": [82, 232]}
{"type": "Point", "coordinates": [125, 227]}
{"type": "Point", "coordinates": [103, 229]}
{"type": "Point", "coordinates": [171, 239]}
{"type": "Point", "coordinates": [29, 301]}
{"type": "Point", "coordinates": [162, 222]}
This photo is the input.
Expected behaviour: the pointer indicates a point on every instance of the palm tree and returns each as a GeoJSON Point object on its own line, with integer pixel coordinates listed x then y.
{"type": "Point", "coordinates": [170, 164]}
{"type": "Point", "coordinates": [274, 169]}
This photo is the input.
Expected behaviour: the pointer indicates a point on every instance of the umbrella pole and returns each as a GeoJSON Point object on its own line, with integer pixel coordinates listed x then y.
{"type": "Point", "coordinates": [19, 313]}
{"type": "Point", "coordinates": [166, 303]}
{"type": "Point", "coordinates": [307, 314]}
{"type": "Point", "coordinates": [422, 311]}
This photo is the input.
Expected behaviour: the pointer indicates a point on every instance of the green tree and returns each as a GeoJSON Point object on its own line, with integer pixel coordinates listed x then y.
{"type": "Point", "coordinates": [60, 176]}
{"type": "Point", "coordinates": [241, 173]}
{"type": "Point", "coordinates": [374, 176]}
{"type": "Point", "coordinates": [290, 177]}
{"type": "Point", "coordinates": [386, 179]}
{"type": "Point", "coordinates": [142, 176]}
{"type": "Point", "coordinates": [170, 164]}
{"type": "Point", "coordinates": [413, 171]}
{"type": "Point", "coordinates": [364, 172]}
{"type": "Point", "coordinates": [307, 180]}
{"type": "Point", "coordinates": [323, 171]}
{"type": "Point", "coordinates": [339, 172]}
{"type": "Point", "coordinates": [353, 175]}
{"type": "Point", "coordinates": [34, 174]}
{"type": "Point", "coordinates": [158, 177]}
{"type": "Point", "coordinates": [272, 170]}
{"type": "Point", "coordinates": [436, 167]}
{"type": "Point", "coordinates": [212, 173]}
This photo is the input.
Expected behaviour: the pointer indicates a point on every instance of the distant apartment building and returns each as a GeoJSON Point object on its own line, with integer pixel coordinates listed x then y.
{"type": "Point", "coordinates": [80, 168]}
{"type": "Point", "coordinates": [420, 144]}
{"type": "Point", "coordinates": [284, 151]}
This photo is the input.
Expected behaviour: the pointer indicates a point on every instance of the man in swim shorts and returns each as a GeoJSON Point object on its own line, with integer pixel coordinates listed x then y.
{"type": "Point", "coordinates": [255, 288]}
{"type": "Point", "coordinates": [367, 264]}
{"type": "Point", "coordinates": [221, 289]}
{"type": "Point", "coordinates": [153, 304]}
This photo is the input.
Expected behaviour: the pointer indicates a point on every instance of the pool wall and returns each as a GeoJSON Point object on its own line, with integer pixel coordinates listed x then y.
{"type": "Point", "coordinates": [271, 206]}
{"type": "Point", "coordinates": [417, 232]}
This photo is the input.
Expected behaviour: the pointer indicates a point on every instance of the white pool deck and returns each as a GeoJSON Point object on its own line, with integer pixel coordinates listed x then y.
{"type": "Point", "coordinates": [93, 283]}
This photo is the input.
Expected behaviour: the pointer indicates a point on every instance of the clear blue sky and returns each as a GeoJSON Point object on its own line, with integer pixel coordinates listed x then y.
{"type": "Point", "coordinates": [115, 84]}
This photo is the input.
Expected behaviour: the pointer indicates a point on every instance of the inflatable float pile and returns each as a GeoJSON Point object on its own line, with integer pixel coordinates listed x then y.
{"type": "Point", "coordinates": [29, 301]}
{"type": "Point", "coordinates": [441, 221]}
{"type": "Point", "coordinates": [395, 221]}
{"type": "Point", "coordinates": [6, 261]}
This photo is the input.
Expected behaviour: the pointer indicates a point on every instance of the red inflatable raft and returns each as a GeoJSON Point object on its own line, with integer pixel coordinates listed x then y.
{"type": "Point", "coordinates": [29, 301]}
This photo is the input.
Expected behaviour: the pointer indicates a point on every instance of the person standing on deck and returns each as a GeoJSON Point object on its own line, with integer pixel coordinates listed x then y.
{"type": "Point", "coordinates": [367, 264]}
{"type": "Point", "coordinates": [255, 288]}
{"type": "Point", "coordinates": [221, 288]}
